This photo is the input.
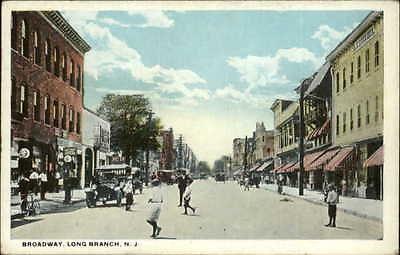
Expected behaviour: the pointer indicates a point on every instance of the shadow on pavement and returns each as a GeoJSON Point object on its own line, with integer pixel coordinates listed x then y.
{"type": "Point", "coordinates": [344, 228]}
{"type": "Point", "coordinates": [23, 221]}
{"type": "Point", "coordinates": [165, 237]}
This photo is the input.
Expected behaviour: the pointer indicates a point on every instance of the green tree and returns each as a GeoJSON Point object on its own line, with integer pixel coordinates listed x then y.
{"type": "Point", "coordinates": [132, 129]}
{"type": "Point", "coordinates": [203, 167]}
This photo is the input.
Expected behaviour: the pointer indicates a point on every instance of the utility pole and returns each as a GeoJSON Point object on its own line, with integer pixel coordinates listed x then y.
{"type": "Point", "coordinates": [245, 155]}
{"type": "Point", "coordinates": [301, 140]}
{"type": "Point", "coordinates": [147, 150]}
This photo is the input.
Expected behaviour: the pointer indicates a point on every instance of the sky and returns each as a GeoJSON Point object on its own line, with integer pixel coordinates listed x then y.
{"type": "Point", "coordinates": [210, 75]}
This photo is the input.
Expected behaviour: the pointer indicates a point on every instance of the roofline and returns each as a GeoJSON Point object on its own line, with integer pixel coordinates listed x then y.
{"type": "Point", "coordinates": [66, 30]}
{"type": "Point", "coordinates": [279, 99]}
{"type": "Point", "coordinates": [371, 17]}
{"type": "Point", "coordinates": [93, 112]}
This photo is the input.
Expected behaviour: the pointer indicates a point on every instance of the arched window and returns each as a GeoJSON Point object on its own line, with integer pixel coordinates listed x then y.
{"type": "Point", "coordinates": [79, 79]}
{"type": "Point", "coordinates": [72, 73]}
{"type": "Point", "coordinates": [47, 53]}
{"type": "Point", "coordinates": [36, 50]}
{"type": "Point", "coordinates": [24, 39]}
{"type": "Point", "coordinates": [56, 61]}
{"type": "Point", "coordinates": [64, 66]}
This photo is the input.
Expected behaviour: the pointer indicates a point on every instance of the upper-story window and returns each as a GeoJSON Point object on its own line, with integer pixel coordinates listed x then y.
{"type": "Point", "coordinates": [79, 79]}
{"type": "Point", "coordinates": [367, 61]}
{"type": "Point", "coordinates": [13, 31]}
{"type": "Point", "coordinates": [63, 116]}
{"type": "Point", "coordinates": [337, 82]}
{"type": "Point", "coordinates": [344, 122]}
{"type": "Point", "coordinates": [47, 53]}
{"type": "Point", "coordinates": [55, 113]}
{"type": "Point", "coordinates": [376, 108]}
{"type": "Point", "coordinates": [377, 53]}
{"type": "Point", "coordinates": [71, 120]}
{"type": "Point", "coordinates": [36, 105]}
{"type": "Point", "coordinates": [78, 122]}
{"type": "Point", "coordinates": [36, 49]}
{"type": "Point", "coordinates": [337, 125]}
{"type": "Point", "coordinates": [56, 61]}
{"type": "Point", "coordinates": [47, 110]}
{"type": "Point", "coordinates": [367, 112]}
{"type": "Point", "coordinates": [358, 115]}
{"type": "Point", "coordinates": [351, 72]}
{"type": "Point", "coordinates": [64, 66]}
{"type": "Point", "coordinates": [24, 39]}
{"type": "Point", "coordinates": [13, 94]}
{"type": "Point", "coordinates": [23, 103]}
{"type": "Point", "coordinates": [359, 67]}
{"type": "Point", "coordinates": [71, 73]}
{"type": "Point", "coordinates": [344, 78]}
{"type": "Point", "coordinates": [351, 118]}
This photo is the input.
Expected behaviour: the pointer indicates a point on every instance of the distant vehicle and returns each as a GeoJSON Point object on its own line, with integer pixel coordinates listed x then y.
{"type": "Point", "coordinates": [166, 176]}
{"type": "Point", "coordinates": [203, 176]}
{"type": "Point", "coordinates": [220, 177]}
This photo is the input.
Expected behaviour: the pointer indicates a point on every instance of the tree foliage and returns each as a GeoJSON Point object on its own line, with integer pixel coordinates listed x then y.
{"type": "Point", "coordinates": [132, 128]}
{"type": "Point", "coordinates": [203, 167]}
{"type": "Point", "coordinates": [218, 165]}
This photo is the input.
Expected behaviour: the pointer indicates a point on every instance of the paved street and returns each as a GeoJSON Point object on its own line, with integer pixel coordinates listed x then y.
{"type": "Point", "coordinates": [224, 212]}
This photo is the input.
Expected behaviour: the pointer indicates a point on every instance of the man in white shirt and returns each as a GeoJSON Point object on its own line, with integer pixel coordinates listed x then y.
{"type": "Point", "coordinates": [332, 201]}
{"type": "Point", "coordinates": [187, 196]}
{"type": "Point", "coordinates": [34, 181]}
{"type": "Point", "coordinates": [155, 202]}
{"type": "Point", "coordinates": [43, 185]}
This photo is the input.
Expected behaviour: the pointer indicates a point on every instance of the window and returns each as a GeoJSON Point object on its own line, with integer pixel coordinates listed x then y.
{"type": "Point", "coordinates": [13, 31]}
{"type": "Point", "coordinates": [359, 116]}
{"type": "Point", "coordinates": [71, 120]}
{"type": "Point", "coordinates": [71, 73]}
{"type": "Point", "coordinates": [36, 50]}
{"type": "Point", "coordinates": [78, 122]}
{"type": "Point", "coordinates": [359, 67]}
{"type": "Point", "coordinates": [55, 113]}
{"type": "Point", "coordinates": [79, 79]}
{"type": "Point", "coordinates": [367, 61]}
{"type": "Point", "coordinates": [344, 122]}
{"type": "Point", "coordinates": [13, 95]}
{"type": "Point", "coordinates": [351, 118]}
{"type": "Point", "coordinates": [47, 110]}
{"type": "Point", "coordinates": [367, 111]}
{"type": "Point", "coordinates": [376, 108]}
{"type": "Point", "coordinates": [344, 78]}
{"type": "Point", "coordinates": [23, 105]}
{"type": "Point", "coordinates": [47, 53]}
{"type": "Point", "coordinates": [351, 72]}
{"type": "Point", "coordinates": [36, 106]}
{"type": "Point", "coordinates": [263, 138]}
{"type": "Point", "coordinates": [24, 39]}
{"type": "Point", "coordinates": [64, 66]}
{"type": "Point", "coordinates": [56, 62]}
{"type": "Point", "coordinates": [337, 125]}
{"type": "Point", "coordinates": [377, 53]}
{"type": "Point", "coordinates": [63, 117]}
{"type": "Point", "coordinates": [337, 82]}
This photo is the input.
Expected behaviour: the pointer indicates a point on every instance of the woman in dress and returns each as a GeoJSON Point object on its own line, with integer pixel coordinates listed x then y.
{"type": "Point", "coordinates": [155, 202]}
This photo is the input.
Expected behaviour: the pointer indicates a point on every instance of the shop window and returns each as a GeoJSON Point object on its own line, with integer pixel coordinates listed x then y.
{"type": "Point", "coordinates": [63, 116]}
{"type": "Point", "coordinates": [72, 73]}
{"type": "Point", "coordinates": [376, 109]}
{"type": "Point", "coordinates": [47, 110]}
{"type": "Point", "coordinates": [351, 72]}
{"type": "Point", "coordinates": [13, 31]}
{"type": "Point", "coordinates": [344, 78]}
{"type": "Point", "coordinates": [359, 67]}
{"type": "Point", "coordinates": [24, 39]}
{"type": "Point", "coordinates": [351, 118]}
{"type": "Point", "coordinates": [367, 61]}
{"type": "Point", "coordinates": [344, 122]}
{"type": "Point", "coordinates": [36, 106]}
{"type": "Point", "coordinates": [78, 122]}
{"type": "Point", "coordinates": [337, 82]}
{"type": "Point", "coordinates": [23, 105]}
{"type": "Point", "coordinates": [79, 79]}
{"type": "Point", "coordinates": [71, 121]}
{"type": "Point", "coordinates": [358, 115]}
{"type": "Point", "coordinates": [337, 125]}
{"type": "Point", "coordinates": [377, 53]}
{"type": "Point", "coordinates": [64, 66]}
{"type": "Point", "coordinates": [367, 112]}
{"type": "Point", "coordinates": [55, 113]}
{"type": "Point", "coordinates": [13, 95]}
{"type": "Point", "coordinates": [47, 53]}
{"type": "Point", "coordinates": [56, 61]}
{"type": "Point", "coordinates": [36, 49]}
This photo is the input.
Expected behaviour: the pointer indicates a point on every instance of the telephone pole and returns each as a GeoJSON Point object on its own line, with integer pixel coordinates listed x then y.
{"type": "Point", "coordinates": [147, 150]}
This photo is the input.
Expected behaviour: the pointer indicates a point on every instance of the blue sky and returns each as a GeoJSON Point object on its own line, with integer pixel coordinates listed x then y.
{"type": "Point", "coordinates": [210, 75]}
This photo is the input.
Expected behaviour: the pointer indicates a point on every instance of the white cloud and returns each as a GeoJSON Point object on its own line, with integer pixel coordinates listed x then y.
{"type": "Point", "coordinates": [110, 21]}
{"type": "Point", "coordinates": [330, 37]}
{"type": "Point", "coordinates": [153, 18]}
{"type": "Point", "coordinates": [265, 71]}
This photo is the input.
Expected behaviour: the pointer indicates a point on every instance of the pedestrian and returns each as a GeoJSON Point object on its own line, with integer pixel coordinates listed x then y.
{"type": "Point", "coordinates": [247, 183]}
{"type": "Point", "coordinates": [24, 186]}
{"type": "Point", "coordinates": [128, 190]}
{"type": "Point", "coordinates": [43, 185]}
{"type": "Point", "coordinates": [182, 181]}
{"type": "Point", "coordinates": [188, 196]}
{"type": "Point", "coordinates": [58, 178]}
{"type": "Point", "coordinates": [155, 202]}
{"type": "Point", "coordinates": [331, 200]}
{"type": "Point", "coordinates": [34, 181]}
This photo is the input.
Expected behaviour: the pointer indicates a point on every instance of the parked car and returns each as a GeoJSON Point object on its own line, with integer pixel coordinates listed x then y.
{"type": "Point", "coordinates": [220, 177]}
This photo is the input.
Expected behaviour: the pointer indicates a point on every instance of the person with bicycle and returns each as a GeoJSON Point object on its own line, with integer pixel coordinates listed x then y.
{"type": "Point", "coordinates": [24, 185]}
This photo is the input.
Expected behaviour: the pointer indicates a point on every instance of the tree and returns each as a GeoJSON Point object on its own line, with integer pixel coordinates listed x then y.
{"type": "Point", "coordinates": [132, 128]}
{"type": "Point", "coordinates": [204, 167]}
{"type": "Point", "coordinates": [218, 165]}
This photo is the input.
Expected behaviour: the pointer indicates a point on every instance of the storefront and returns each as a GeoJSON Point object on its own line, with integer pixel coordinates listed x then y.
{"type": "Point", "coordinates": [69, 161]}
{"type": "Point", "coordinates": [374, 164]}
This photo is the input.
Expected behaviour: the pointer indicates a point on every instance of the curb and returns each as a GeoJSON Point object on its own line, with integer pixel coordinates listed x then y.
{"type": "Point", "coordinates": [348, 211]}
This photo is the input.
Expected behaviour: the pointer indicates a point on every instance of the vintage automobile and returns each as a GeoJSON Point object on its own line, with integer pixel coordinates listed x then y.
{"type": "Point", "coordinates": [107, 184]}
{"type": "Point", "coordinates": [220, 177]}
{"type": "Point", "coordinates": [167, 176]}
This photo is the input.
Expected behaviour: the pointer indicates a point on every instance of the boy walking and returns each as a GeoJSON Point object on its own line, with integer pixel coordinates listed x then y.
{"type": "Point", "coordinates": [155, 202]}
{"type": "Point", "coordinates": [188, 196]}
{"type": "Point", "coordinates": [331, 200]}
{"type": "Point", "coordinates": [128, 190]}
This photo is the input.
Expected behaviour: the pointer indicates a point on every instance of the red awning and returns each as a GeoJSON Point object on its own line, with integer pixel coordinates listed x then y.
{"type": "Point", "coordinates": [324, 129]}
{"type": "Point", "coordinates": [311, 135]}
{"type": "Point", "coordinates": [286, 167]}
{"type": "Point", "coordinates": [375, 159]}
{"type": "Point", "coordinates": [338, 159]}
{"type": "Point", "coordinates": [324, 159]}
{"type": "Point", "coordinates": [308, 159]}
{"type": "Point", "coordinates": [254, 168]}
{"type": "Point", "coordinates": [276, 169]}
{"type": "Point", "coordinates": [264, 166]}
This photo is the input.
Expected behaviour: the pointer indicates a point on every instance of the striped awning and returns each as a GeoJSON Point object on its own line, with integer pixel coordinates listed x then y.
{"type": "Point", "coordinates": [254, 168]}
{"type": "Point", "coordinates": [264, 166]}
{"type": "Point", "coordinates": [287, 167]}
{"type": "Point", "coordinates": [338, 160]}
{"type": "Point", "coordinates": [375, 159]}
{"type": "Point", "coordinates": [308, 159]}
{"type": "Point", "coordinates": [324, 159]}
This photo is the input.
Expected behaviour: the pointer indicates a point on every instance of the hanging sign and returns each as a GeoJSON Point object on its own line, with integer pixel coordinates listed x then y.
{"type": "Point", "coordinates": [67, 158]}
{"type": "Point", "coordinates": [24, 153]}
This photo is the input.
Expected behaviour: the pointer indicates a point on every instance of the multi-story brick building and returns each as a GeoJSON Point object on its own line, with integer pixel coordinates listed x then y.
{"type": "Point", "coordinates": [357, 103]}
{"type": "Point", "coordinates": [264, 143]}
{"type": "Point", "coordinates": [47, 64]}
{"type": "Point", "coordinates": [238, 153]}
{"type": "Point", "coordinates": [167, 158]}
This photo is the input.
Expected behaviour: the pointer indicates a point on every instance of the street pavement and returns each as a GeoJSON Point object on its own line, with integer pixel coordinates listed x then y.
{"type": "Point", "coordinates": [224, 211]}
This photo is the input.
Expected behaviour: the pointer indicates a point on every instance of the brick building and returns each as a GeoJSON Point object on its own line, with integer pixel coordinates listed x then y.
{"type": "Point", "coordinates": [47, 63]}
{"type": "Point", "coordinates": [167, 159]}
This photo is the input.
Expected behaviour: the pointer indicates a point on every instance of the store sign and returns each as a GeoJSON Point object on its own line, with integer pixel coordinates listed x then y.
{"type": "Point", "coordinates": [69, 151]}
{"type": "Point", "coordinates": [67, 158]}
{"type": "Point", "coordinates": [24, 153]}
{"type": "Point", "coordinates": [364, 38]}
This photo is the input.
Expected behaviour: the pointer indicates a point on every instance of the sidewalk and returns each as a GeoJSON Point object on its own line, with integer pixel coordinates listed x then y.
{"type": "Point", "coordinates": [366, 208]}
{"type": "Point", "coordinates": [53, 201]}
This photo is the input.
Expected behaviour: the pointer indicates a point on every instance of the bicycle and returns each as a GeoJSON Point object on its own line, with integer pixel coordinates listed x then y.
{"type": "Point", "coordinates": [32, 205]}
